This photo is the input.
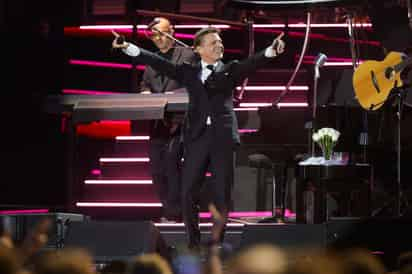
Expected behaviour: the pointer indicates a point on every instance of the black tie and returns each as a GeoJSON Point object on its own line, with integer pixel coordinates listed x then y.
{"type": "Point", "coordinates": [211, 67]}
{"type": "Point", "coordinates": [209, 82]}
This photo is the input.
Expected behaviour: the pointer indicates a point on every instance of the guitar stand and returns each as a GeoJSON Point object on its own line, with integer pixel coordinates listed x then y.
{"type": "Point", "coordinates": [398, 93]}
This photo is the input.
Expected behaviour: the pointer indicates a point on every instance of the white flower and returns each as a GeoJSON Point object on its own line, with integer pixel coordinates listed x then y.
{"type": "Point", "coordinates": [326, 132]}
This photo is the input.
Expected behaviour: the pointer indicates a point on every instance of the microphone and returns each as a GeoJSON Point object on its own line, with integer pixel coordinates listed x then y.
{"type": "Point", "coordinates": [320, 60]}
{"type": "Point", "coordinates": [153, 23]}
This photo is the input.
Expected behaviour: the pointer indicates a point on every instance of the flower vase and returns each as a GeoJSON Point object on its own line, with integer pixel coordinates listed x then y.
{"type": "Point", "coordinates": [327, 152]}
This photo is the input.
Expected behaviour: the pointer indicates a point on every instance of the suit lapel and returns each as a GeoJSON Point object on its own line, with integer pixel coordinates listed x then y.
{"type": "Point", "coordinates": [219, 66]}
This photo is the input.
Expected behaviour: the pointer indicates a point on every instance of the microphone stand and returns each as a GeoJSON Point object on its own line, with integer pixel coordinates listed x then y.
{"type": "Point", "coordinates": [170, 37]}
{"type": "Point", "coordinates": [363, 136]}
{"type": "Point", "coordinates": [314, 108]}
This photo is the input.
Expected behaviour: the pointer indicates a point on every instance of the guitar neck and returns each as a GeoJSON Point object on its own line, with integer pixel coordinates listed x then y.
{"type": "Point", "coordinates": [402, 65]}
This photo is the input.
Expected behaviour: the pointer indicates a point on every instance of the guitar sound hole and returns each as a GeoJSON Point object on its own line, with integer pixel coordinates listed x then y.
{"type": "Point", "coordinates": [389, 73]}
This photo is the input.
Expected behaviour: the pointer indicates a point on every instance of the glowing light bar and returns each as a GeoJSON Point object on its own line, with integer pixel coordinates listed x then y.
{"type": "Point", "coordinates": [238, 214]}
{"type": "Point", "coordinates": [338, 64]}
{"type": "Point", "coordinates": [247, 130]}
{"type": "Point", "coordinates": [201, 225]}
{"type": "Point", "coordinates": [270, 104]}
{"type": "Point", "coordinates": [266, 26]}
{"type": "Point", "coordinates": [108, 204]}
{"type": "Point", "coordinates": [332, 61]}
{"type": "Point", "coordinates": [245, 109]}
{"type": "Point", "coordinates": [257, 88]}
{"type": "Point", "coordinates": [103, 64]}
{"type": "Point", "coordinates": [224, 26]}
{"type": "Point", "coordinates": [124, 160]}
{"type": "Point", "coordinates": [88, 92]}
{"type": "Point", "coordinates": [330, 25]}
{"type": "Point", "coordinates": [197, 26]}
{"type": "Point", "coordinates": [141, 67]}
{"type": "Point", "coordinates": [118, 182]}
{"type": "Point", "coordinates": [24, 211]}
{"type": "Point", "coordinates": [132, 138]}
{"type": "Point", "coordinates": [110, 27]}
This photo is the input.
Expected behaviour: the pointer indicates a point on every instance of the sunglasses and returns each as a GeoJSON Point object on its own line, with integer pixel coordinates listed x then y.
{"type": "Point", "coordinates": [156, 35]}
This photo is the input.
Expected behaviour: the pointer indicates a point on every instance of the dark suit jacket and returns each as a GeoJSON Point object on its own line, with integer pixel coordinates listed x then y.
{"type": "Point", "coordinates": [216, 101]}
{"type": "Point", "coordinates": [155, 82]}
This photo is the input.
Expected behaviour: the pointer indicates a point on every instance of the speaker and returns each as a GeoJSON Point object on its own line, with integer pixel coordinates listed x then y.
{"type": "Point", "coordinates": [284, 235]}
{"type": "Point", "coordinates": [19, 225]}
{"type": "Point", "coordinates": [385, 237]}
{"type": "Point", "coordinates": [116, 240]}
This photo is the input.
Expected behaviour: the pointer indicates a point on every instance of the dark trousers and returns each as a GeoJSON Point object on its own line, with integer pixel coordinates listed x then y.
{"type": "Point", "coordinates": [165, 163]}
{"type": "Point", "coordinates": [214, 150]}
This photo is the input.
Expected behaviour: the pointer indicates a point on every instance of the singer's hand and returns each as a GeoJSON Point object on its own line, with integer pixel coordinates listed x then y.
{"type": "Point", "coordinates": [117, 44]}
{"type": "Point", "coordinates": [278, 45]}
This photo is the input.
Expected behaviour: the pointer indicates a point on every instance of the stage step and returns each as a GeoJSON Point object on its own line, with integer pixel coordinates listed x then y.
{"type": "Point", "coordinates": [125, 169]}
{"type": "Point", "coordinates": [120, 192]}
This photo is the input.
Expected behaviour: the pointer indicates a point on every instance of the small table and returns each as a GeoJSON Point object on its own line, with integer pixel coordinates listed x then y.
{"type": "Point", "coordinates": [351, 183]}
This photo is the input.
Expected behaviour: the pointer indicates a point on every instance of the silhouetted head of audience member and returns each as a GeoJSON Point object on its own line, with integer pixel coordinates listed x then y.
{"type": "Point", "coordinates": [313, 261]}
{"type": "Point", "coordinates": [9, 263]}
{"type": "Point", "coordinates": [258, 259]}
{"type": "Point", "coordinates": [361, 261]}
{"type": "Point", "coordinates": [405, 263]}
{"type": "Point", "coordinates": [65, 261]}
{"type": "Point", "coordinates": [149, 264]}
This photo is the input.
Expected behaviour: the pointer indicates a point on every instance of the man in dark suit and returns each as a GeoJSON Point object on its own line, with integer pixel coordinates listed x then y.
{"type": "Point", "coordinates": [210, 116]}
{"type": "Point", "coordinates": [165, 149]}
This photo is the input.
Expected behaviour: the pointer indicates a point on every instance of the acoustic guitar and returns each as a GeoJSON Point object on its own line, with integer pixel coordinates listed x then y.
{"type": "Point", "coordinates": [374, 80]}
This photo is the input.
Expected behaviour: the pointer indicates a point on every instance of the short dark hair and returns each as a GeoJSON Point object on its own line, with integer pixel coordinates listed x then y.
{"type": "Point", "coordinates": [201, 33]}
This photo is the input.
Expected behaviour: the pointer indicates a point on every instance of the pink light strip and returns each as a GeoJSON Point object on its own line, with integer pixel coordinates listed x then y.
{"type": "Point", "coordinates": [140, 67]}
{"type": "Point", "coordinates": [247, 130]}
{"type": "Point", "coordinates": [269, 104]}
{"type": "Point", "coordinates": [132, 138]}
{"type": "Point", "coordinates": [257, 88]}
{"type": "Point", "coordinates": [201, 225]}
{"type": "Point", "coordinates": [338, 64]}
{"type": "Point", "coordinates": [223, 26]}
{"type": "Point", "coordinates": [238, 214]}
{"type": "Point", "coordinates": [201, 26]}
{"type": "Point", "coordinates": [268, 26]}
{"type": "Point", "coordinates": [129, 27]}
{"type": "Point", "coordinates": [246, 109]}
{"type": "Point", "coordinates": [103, 64]}
{"type": "Point", "coordinates": [118, 182]}
{"type": "Point", "coordinates": [110, 27]}
{"type": "Point", "coordinates": [124, 160]}
{"type": "Point", "coordinates": [331, 25]}
{"type": "Point", "coordinates": [24, 211]}
{"type": "Point", "coordinates": [104, 204]}
{"type": "Point", "coordinates": [332, 64]}
{"type": "Point", "coordinates": [88, 92]}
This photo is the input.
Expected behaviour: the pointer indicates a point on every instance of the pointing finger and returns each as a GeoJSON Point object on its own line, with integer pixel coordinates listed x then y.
{"type": "Point", "coordinates": [115, 34]}
{"type": "Point", "coordinates": [280, 36]}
